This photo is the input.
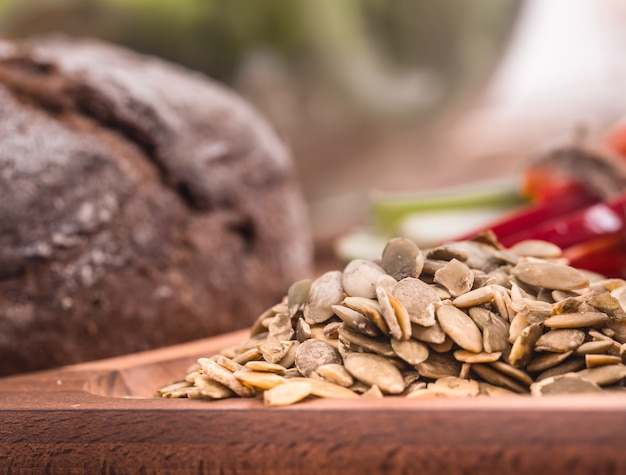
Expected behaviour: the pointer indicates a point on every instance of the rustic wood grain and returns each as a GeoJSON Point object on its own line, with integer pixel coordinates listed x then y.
{"type": "Point", "coordinates": [100, 417]}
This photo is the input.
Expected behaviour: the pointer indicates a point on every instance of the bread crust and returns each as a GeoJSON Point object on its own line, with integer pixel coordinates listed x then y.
{"type": "Point", "coordinates": [142, 205]}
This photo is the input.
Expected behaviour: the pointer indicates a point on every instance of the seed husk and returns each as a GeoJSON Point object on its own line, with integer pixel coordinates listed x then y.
{"type": "Point", "coordinates": [374, 369]}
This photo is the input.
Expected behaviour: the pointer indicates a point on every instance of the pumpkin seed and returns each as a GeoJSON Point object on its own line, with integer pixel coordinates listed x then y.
{"type": "Point", "coordinates": [380, 346]}
{"type": "Point", "coordinates": [431, 334]}
{"type": "Point", "coordinates": [359, 278]}
{"type": "Point", "coordinates": [297, 295]}
{"type": "Point", "coordinates": [576, 320]}
{"type": "Point", "coordinates": [402, 258]}
{"type": "Point", "coordinates": [460, 328]}
{"type": "Point", "coordinates": [593, 361]}
{"type": "Point", "coordinates": [471, 319]}
{"type": "Point", "coordinates": [594, 347]}
{"type": "Point", "coordinates": [418, 298]}
{"type": "Point", "coordinates": [475, 297]}
{"type": "Point", "coordinates": [497, 378]}
{"type": "Point", "coordinates": [411, 351]}
{"type": "Point", "coordinates": [286, 394]}
{"type": "Point", "coordinates": [456, 277]}
{"type": "Point", "coordinates": [259, 379]}
{"type": "Point", "coordinates": [439, 366]}
{"type": "Point", "coordinates": [482, 357]}
{"type": "Point", "coordinates": [393, 312]}
{"type": "Point", "coordinates": [604, 375]}
{"type": "Point", "coordinates": [569, 365]}
{"type": "Point", "coordinates": [536, 248]}
{"type": "Point", "coordinates": [221, 375]}
{"type": "Point", "coordinates": [523, 348]}
{"type": "Point", "coordinates": [549, 275]}
{"type": "Point", "coordinates": [335, 373]}
{"type": "Point", "coordinates": [265, 367]}
{"type": "Point", "coordinates": [451, 386]}
{"type": "Point", "coordinates": [312, 354]}
{"type": "Point", "coordinates": [370, 308]}
{"type": "Point", "coordinates": [513, 372]}
{"type": "Point", "coordinates": [356, 320]}
{"type": "Point", "coordinates": [547, 360]}
{"type": "Point", "coordinates": [560, 341]}
{"type": "Point", "coordinates": [570, 383]}
{"type": "Point", "coordinates": [374, 369]}
{"type": "Point", "coordinates": [325, 292]}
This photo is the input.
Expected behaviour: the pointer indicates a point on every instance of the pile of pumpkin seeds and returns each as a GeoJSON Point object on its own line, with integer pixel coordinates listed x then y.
{"type": "Point", "coordinates": [467, 318]}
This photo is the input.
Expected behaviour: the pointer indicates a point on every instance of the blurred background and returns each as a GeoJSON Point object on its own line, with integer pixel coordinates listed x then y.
{"type": "Point", "coordinates": [381, 97]}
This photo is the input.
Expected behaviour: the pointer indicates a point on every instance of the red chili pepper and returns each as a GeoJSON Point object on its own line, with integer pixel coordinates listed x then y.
{"type": "Point", "coordinates": [523, 224]}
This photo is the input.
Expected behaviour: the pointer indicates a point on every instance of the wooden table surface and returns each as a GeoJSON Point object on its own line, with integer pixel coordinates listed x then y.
{"type": "Point", "coordinates": [100, 417]}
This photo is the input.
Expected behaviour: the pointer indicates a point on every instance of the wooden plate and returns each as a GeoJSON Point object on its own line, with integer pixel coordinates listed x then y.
{"type": "Point", "coordinates": [100, 417]}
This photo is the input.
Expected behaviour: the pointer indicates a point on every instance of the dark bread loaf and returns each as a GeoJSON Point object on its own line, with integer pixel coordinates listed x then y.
{"type": "Point", "coordinates": [141, 205]}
